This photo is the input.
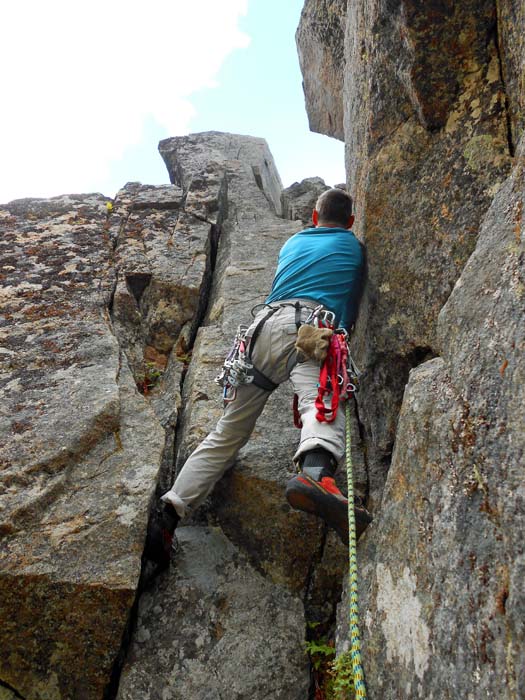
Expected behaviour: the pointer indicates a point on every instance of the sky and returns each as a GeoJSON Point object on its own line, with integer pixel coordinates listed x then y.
{"type": "Point", "coordinates": [90, 88]}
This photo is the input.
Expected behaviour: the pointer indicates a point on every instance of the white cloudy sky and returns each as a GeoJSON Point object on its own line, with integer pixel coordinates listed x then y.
{"type": "Point", "coordinates": [89, 87]}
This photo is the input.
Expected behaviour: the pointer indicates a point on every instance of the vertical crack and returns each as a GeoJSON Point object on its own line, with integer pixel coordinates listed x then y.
{"type": "Point", "coordinates": [510, 140]}
{"type": "Point", "coordinates": [148, 571]}
{"type": "Point", "coordinates": [361, 429]}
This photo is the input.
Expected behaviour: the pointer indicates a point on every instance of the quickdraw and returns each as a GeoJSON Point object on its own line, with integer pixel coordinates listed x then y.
{"type": "Point", "coordinates": [338, 380]}
{"type": "Point", "coordinates": [236, 369]}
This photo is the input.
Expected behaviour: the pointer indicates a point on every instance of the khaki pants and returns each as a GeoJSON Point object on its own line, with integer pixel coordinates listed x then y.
{"type": "Point", "coordinates": [217, 452]}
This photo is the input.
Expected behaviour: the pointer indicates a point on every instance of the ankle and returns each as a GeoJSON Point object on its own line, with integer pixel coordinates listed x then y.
{"type": "Point", "coordinates": [318, 463]}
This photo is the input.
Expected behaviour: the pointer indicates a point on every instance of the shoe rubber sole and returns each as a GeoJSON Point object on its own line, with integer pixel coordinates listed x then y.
{"type": "Point", "coordinates": [306, 494]}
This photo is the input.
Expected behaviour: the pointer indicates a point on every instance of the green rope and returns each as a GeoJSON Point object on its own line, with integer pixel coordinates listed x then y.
{"type": "Point", "coordinates": [355, 652]}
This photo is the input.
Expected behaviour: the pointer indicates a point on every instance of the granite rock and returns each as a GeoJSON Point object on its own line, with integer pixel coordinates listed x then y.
{"type": "Point", "coordinates": [215, 628]}
{"type": "Point", "coordinates": [433, 112]}
{"type": "Point", "coordinates": [101, 302]}
{"type": "Point", "coordinates": [299, 200]}
{"type": "Point", "coordinates": [249, 501]}
{"type": "Point", "coordinates": [443, 565]}
{"type": "Point", "coordinates": [320, 46]}
{"type": "Point", "coordinates": [426, 149]}
{"type": "Point", "coordinates": [511, 43]}
{"type": "Point", "coordinates": [81, 450]}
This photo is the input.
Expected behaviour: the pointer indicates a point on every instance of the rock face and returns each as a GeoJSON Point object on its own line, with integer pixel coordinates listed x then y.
{"type": "Point", "coordinates": [298, 201]}
{"type": "Point", "coordinates": [445, 563]}
{"type": "Point", "coordinates": [94, 300]}
{"type": "Point", "coordinates": [103, 301]}
{"type": "Point", "coordinates": [320, 45]}
{"type": "Point", "coordinates": [80, 453]}
{"type": "Point", "coordinates": [433, 112]}
{"type": "Point", "coordinates": [426, 150]}
{"type": "Point", "coordinates": [214, 627]}
{"type": "Point", "coordinates": [511, 42]}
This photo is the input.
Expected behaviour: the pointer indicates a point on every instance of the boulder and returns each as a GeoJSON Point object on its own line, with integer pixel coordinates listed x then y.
{"type": "Point", "coordinates": [320, 46]}
{"type": "Point", "coordinates": [215, 628]}
{"type": "Point", "coordinates": [299, 200]}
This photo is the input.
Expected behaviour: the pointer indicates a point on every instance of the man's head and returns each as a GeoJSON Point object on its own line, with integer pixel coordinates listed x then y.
{"type": "Point", "coordinates": [333, 209]}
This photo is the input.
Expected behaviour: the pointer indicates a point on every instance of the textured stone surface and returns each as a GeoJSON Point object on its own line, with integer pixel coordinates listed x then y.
{"type": "Point", "coordinates": [511, 42]}
{"type": "Point", "coordinates": [299, 200]}
{"type": "Point", "coordinates": [320, 45]}
{"type": "Point", "coordinates": [427, 145]}
{"type": "Point", "coordinates": [165, 240]}
{"type": "Point", "coordinates": [433, 110]}
{"type": "Point", "coordinates": [443, 566]}
{"type": "Point", "coordinates": [194, 159]}
{"type": "Point", "coordinates": [99, 299]}
{"type": "Point", "coordinates": [426, 150]}
{"type": "Point", "coordinates": [215, 628]}
{"type": "Point", "coordinates": [81, 451]}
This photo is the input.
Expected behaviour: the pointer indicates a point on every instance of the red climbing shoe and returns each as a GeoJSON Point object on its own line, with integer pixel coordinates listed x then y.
{"type": "Point", "coordinates": [323, 498]}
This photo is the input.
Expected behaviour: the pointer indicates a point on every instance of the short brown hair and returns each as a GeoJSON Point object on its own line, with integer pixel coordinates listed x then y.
{"type": "Point", "coordinates": [334, 206]}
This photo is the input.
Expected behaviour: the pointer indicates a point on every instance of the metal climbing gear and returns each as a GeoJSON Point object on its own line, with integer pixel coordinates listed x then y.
{"type": "Point", "coordinates": [238, 368]}
{"type": "Point", "coordinates": [321, 317]}
{"type": "Point", "coordinates": [355, 649]}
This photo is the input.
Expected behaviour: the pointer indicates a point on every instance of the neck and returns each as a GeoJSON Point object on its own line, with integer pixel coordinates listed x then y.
{"type": "Point", "coordinates": [329, 224]}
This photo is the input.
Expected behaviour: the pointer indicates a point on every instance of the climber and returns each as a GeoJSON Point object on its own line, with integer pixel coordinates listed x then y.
{"type": "Point", "coordinates": [322, 266]}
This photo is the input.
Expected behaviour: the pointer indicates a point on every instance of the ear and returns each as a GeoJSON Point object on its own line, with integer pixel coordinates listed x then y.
{"type": "Point", "coordinates": [315, 217]}
{"type": "Point", "coordinates": [350, 222]}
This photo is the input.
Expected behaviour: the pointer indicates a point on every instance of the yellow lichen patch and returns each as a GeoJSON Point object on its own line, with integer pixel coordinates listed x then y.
{"type": "Point", "coordinates": [493, 70]}
{"type": "Point", "coordinates": [453, 121]}
{"type": "Point", "coordinates": [483, 152]}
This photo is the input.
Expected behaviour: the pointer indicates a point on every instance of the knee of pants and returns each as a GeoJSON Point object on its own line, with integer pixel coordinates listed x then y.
{"type": "Point", "coordinates": [307, 400]}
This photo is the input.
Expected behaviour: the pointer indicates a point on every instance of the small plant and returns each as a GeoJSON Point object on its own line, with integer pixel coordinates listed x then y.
{"type": "Point", "coordinates": [320, 652]}
{"type": "Point", "coordinates": [333, 677]}
{"type": "Point", "coordinates": [148, 378]}
{"type": "Point", "coordinates": [184, 357]}
{"type": "Point", "coordinates": [343, 677]}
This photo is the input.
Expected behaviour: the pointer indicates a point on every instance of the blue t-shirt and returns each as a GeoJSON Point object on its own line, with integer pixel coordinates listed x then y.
{"type": "Point", "coordinates": [325, 265]}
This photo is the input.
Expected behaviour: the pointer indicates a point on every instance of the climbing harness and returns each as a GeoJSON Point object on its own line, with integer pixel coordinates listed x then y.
{"type": "Point", "coordinates": [355, 649]}
{"type": "Point", "coordinates": [238, 368]}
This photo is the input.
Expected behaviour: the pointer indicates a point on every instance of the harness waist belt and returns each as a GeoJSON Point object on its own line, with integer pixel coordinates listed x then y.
{"type": "Point", "coordinates": [308, 303]}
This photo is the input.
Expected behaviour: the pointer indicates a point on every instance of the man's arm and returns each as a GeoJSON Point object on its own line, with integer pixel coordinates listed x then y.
{"type": "Point", "coordinates": [354, 300]}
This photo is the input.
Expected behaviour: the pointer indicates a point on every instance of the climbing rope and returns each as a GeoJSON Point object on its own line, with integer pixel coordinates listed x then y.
{"type": "Point", "coordinates": [355, 651]}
